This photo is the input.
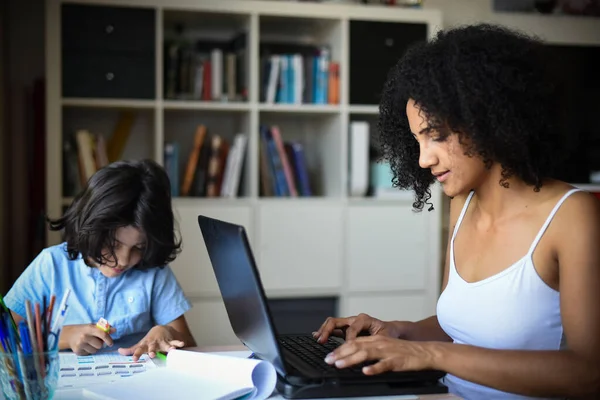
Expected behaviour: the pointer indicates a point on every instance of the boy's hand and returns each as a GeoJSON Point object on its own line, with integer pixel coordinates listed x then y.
{"type": "Point", "coordinates": [86, 339]}
{"type": "Point", "coordinates": [159, 338]}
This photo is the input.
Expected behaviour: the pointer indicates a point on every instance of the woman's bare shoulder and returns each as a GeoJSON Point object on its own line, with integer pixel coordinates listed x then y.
{"type": "Point", "coordinates": [579, 212]}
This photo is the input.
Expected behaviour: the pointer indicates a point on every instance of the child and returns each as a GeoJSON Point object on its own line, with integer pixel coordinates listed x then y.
{"type": "Point", "coordinates": [118, 239]}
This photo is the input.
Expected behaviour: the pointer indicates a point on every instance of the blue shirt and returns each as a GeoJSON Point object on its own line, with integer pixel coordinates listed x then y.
{"type": "Point", "coordinates": [132, 302]}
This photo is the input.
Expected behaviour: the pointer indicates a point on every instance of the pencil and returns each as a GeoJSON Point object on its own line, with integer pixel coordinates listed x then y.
{"type": "Point", "coordinates": [33, 339]}
{"type": "Point", "coordinates": [49, 316]}
{"type": "Point", "coordinates": [40, 342]}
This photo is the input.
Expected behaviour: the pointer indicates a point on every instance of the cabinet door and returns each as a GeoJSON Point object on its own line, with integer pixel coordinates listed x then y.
{"type": "Point", "coordinates": [209, 323]}
{"type": "Point", "coordinates": [392, 307]}
{"type": "Point", "coordinates": [192, 267]}
{"type": "Point", "coordinates": [388, 248]}
{"type": "Point", "coordinates": [300, 246]}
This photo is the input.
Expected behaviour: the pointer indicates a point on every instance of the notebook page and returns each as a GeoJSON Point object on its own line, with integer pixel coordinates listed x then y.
{"type": "Point", "coordinates": [163, 383]}
{"type": "Point", "coordinates": [100, 368]}
{"type": "Point", "coordinates": [238, 372]}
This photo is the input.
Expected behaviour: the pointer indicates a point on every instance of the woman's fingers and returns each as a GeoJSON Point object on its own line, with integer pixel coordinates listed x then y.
{"type": "Point", "coordinates": [329, 326]}
{"type": "Point", "coordinates": [379, 367]}
{"type": "Point", "coordinates": [347, 356]}
{"type": "Point", "coordinates": [360, 323]}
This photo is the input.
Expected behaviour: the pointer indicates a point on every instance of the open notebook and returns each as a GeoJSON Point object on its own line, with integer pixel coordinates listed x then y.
{"type": "Point", "coordinates": [193, 375]}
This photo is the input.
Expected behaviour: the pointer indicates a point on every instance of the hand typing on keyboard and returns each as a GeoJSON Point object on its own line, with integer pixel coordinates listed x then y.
{"type": "Point", "coordinates": [351, 327]}
{"type": "Point", "coordinates": [389, 353]}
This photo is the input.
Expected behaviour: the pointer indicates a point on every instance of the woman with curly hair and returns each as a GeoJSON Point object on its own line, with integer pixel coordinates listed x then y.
{"type": "Point", "coordinates": [519, 313]}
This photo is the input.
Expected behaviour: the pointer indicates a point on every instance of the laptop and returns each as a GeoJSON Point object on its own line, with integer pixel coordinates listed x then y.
{"type": "Point", "coordinates": [297, 358]}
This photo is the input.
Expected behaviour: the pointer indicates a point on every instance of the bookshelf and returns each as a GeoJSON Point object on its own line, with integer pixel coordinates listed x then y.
{"type": "Point", "coordinates": [373, 255]}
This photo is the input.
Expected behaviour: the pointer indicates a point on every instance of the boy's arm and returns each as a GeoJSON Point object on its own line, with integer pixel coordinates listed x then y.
{"type": "Point", "coordinates": [32, 285]}
{"type": "Point", "coordinates": [182, 330]}
{"type": "Point", "coordinates": [169, 304]}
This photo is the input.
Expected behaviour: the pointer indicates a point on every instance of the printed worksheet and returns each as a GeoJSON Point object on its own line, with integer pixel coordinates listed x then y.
{"type": "Point", "coordinates": [82, 371]}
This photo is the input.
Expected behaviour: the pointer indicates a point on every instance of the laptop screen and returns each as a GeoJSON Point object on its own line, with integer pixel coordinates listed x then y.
{"type": "Point", "coordinates": [241, 288]}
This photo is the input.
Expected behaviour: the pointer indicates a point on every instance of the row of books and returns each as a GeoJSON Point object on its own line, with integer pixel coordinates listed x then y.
{"type": "Point", "coordinates": [300, 78]}
{"type": "Point", "coordinates": [206, 71]}
{"type": "Point", "coordinates": [85, 152]}
{"type": "Point", "coordinates": [213, 168]}
{"type": "Point", "coordinates": [283, 168]}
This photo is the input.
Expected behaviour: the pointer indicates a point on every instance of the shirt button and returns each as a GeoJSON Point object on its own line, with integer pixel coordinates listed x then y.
{"type": "Point", "coordinates": [130, 299]}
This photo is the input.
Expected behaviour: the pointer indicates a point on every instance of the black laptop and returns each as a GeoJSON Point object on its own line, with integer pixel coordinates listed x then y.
{"type": "Point", "coordinates": [297, 358]}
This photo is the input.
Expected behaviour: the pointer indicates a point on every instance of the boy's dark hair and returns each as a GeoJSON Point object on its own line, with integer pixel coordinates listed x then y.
{"type": "Point", "coordinates": [485, 83]}
{"type": "Point", "coordinates": [124, 193]}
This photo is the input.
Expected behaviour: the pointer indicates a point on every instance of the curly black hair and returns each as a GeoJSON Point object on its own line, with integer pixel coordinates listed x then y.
{"type": "Point", "coordinates": [124, 193]}
{"type": "Point", "coordinates": [489, 85]}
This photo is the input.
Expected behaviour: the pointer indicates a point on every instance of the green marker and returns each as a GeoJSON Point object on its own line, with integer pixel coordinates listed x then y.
{"type": "Point", "coordinates": [160, 355]}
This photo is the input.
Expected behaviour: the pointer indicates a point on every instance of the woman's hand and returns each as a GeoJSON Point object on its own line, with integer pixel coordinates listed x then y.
{"type": "Point", "coordinates": [160, 338]}
{"type": "Point", "coordinates": [391, 354]}
{"type": "Point", "coordinates": [349, 328]}
{"type": "Point", "coordinates": [85, 339]}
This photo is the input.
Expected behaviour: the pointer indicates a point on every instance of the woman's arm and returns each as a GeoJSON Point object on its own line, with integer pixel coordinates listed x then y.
{"type": "Point", "coordinates": [575, 234]}
{"type": "Point", "coordinates": [427, 329]}
{"type": "Point", "coordinates": [531, 373]}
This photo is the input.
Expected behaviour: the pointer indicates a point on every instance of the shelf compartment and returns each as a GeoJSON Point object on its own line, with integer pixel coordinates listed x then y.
{"type": "Point", "coordinates": [312, 149]}
{"type": "Point", "coordinates": [218, 140]}
{"type": "Point", "coordinates": [299, 60]}
{"type": "Point", "coordinates": [206, 56]}
{"type": "Point", "coordinates": [135, 141]}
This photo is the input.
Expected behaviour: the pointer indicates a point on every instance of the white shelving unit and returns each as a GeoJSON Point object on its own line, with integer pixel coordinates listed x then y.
{"type": "Point", "coordinates": [376, 256]}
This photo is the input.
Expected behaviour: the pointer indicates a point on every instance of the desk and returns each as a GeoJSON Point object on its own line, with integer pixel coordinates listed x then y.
{"type": "Point", "coordinates": [76, 394]}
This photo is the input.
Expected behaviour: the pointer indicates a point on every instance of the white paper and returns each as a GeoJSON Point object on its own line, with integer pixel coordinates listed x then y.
{"type": "Point", "coordinates": [193, 375]}
{"type": "Point", "coordinates": [100, 368]}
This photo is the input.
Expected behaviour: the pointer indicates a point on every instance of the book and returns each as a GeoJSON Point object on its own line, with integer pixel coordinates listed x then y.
{"type": "Point", "coordinates": [191, 375]}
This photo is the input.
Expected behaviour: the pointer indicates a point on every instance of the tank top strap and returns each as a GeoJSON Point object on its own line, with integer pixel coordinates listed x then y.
{"type": "Point", "coordinates": [462, 214]}
{"type": "Point", "coordinates": [549, 219]}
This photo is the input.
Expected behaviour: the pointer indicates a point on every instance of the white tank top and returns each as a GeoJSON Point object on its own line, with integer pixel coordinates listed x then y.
{"type": "Point", "coordinates": [513, 309]}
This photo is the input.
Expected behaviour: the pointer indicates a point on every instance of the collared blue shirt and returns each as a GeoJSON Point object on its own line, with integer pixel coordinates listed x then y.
{"type": "Point", "coordinates": [132, 302]}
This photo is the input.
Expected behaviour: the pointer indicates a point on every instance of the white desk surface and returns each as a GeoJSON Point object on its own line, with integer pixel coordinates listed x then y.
{"type": "Point", "coordinates": [76, 394]}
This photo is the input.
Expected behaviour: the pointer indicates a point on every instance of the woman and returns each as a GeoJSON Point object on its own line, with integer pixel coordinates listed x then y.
{"type": "Point", "coordinates": [519, 313]}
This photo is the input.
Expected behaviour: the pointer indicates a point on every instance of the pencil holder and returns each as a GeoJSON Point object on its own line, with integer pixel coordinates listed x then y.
{"type": "Point", "coordinates": [31, 376]}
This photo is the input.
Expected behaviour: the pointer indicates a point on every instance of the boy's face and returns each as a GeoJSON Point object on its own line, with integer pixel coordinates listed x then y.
{"type": "Point", "coordinates": [129, 248]}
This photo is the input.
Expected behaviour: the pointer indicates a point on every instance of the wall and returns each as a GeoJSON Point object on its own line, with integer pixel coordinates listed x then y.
{"type": "Point", "coordinates": [555, 29]}
{"type": "Point", "coordinates": [3, 186]}
{"type": "Point", "coordinates": [25, 62]}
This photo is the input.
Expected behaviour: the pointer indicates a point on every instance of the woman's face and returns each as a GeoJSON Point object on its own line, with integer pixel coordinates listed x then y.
{"type": "Point", "coordinates": [129, 248]}
{"type": "Point", "coordinates": [445, 157]}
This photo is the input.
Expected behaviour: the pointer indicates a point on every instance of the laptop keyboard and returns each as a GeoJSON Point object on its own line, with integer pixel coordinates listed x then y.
{"type": "Point", "coordinates": [313, 353]}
